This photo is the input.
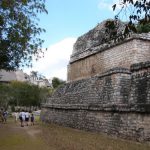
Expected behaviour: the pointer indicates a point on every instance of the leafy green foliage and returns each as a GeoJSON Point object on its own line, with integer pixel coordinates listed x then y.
{"type": "Point", "coordinates": [143, 28]}
{"type": "Point", "coordinates": [36, 74]}
{"type": "Point", "coordinates": [5, 95]}
{"type": "Point", "coordinates": [23, 94]}
{"type": "Point", "coordinates": [139, 10]}
{"type": "Point", "coordinates": [138, 18]}
{"type": "Point", "coordinates": [19, 32]}
{"type": "Point", "coordinates": [45, 93]}
{"type": "Point", "coordinates": [56, 82]}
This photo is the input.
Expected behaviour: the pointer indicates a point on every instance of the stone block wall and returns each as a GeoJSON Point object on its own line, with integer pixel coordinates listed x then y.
{"type": "Point", "coordinates": [127, 125]}
{"type": "Point", "coordinates": [102, 89]}
{"type": "Point", "coordinates": [140, 86]}
{"type": "Point", "coordinates": [87, 64]}
{"type": "Point", "coordinates": [116, 102]}
{"type": "Point", "coordinates": [108, 87]}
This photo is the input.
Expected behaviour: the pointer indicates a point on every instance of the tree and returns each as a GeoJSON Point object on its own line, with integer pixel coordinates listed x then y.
{"type": "Point", "coordinates": [25, 94]}
{"type": "Point", "coordinates": [19, 31]}
{"type": "Point", "coordinates": [57, 82]}
{"type": "Point", "coordinates": [37, 75]}
{"type": "Point", "coordinates": [137, 13]}
{"type": "Point", "coordinates": [45, 93]}
{"type": "Point", "coordinates": [5, 95]}
{"type": "Point", "coordinates": [15, 85]}
{"type": "Point", "coordinates": [34, 74]}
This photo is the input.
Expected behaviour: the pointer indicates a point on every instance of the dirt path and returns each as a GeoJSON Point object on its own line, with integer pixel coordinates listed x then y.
{"type": "Point", "coordinates": [54, 137]}
{"type": "Point", "coordinates": [14, 137]}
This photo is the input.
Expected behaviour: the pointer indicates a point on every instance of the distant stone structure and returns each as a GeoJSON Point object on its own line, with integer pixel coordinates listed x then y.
{"type": "Point", "coordinates": [8, 76]}
{"type": "Point", "coordinates": [19, 75]}
{"type": "Point", "coordinates": [108, 87]}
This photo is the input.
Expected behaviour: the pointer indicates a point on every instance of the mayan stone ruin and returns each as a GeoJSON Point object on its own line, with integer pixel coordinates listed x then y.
{"type": "Point", "coordinates": [108, 87]}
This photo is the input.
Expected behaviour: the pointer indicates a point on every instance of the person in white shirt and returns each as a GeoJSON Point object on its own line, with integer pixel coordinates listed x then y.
{"type": "Point", "coordinates": [22, 118]}
{"type": "Point", "coordinates": [27, 115]}
{"type": "Point", "coordinates": [16, 115]}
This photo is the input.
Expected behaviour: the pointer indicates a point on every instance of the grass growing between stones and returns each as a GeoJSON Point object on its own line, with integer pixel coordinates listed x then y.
{"type": "Point", "coordinates": [54, 137]}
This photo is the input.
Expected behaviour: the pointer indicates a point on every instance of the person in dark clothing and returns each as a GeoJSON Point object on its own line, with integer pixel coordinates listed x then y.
{"type": "Point", "coordinates": [32, 119]}
{"type": "Point", "coordinates": [1, 116]}
{"type": "Point", "coordinates": [5, 113]}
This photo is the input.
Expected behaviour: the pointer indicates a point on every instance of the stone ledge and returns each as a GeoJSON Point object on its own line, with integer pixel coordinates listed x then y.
{"type": "Point", "coordinates": [109, 72]}
{"type": "Point", "coordinates": [100, 48]}
{"type": "Point", "coordinates": [114, 71]}
{"type": "Point", "coordinates": [139, 108]}
{"type": "Point", "coordinates": [139, 66]}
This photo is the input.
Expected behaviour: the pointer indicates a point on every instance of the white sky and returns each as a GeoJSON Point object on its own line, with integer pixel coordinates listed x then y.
{"type": "Point", "coordinates": [55, 61]}
{"type": "Point", "coordinates": [65, 22]}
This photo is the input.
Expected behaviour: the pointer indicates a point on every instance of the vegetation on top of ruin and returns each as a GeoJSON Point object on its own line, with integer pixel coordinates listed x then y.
{"type": "Point", "coordinates": [137, 14]}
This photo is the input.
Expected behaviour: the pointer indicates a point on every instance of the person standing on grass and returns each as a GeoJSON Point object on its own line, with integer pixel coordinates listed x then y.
{"type": "Point", "coordinates": [27, 115]}
{"type": "Point", "coordinates": [16, 116]}
{"type": "Point", "coordinates": [22, 118]}
{"type": "Point", "coordinates": [5, 113]}
{"type": "Point", "coordinates": [32, 119]}
{"type": "Point", "coordinates": [1, 115]}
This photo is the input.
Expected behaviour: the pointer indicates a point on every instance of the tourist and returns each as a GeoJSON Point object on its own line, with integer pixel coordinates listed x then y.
{"type": "Point", "coordinates": [22, 118]}
{"type": "Point", "coordinates": [27, 115]}
{"type": "Point", "coordinates": [16, 115]}
{"type": "Point", "coordinates": [32, 119]}
{"type": "Point", "coordinates": [5, 113]}
{"type": "Point", "coordinates": [1, 115]}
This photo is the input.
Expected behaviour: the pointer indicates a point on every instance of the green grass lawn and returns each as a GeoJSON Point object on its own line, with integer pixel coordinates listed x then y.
{"type": "Point", "coordinates": [54, 137]}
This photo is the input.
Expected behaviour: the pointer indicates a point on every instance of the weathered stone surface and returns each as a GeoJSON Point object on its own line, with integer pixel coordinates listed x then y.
{"type": "Point", "coordinates": [127, 125]}
{"type": "Point", "coordinates": [102, 89]}
{"type": "Point", "coordinates": [116, 103]}
{"type": "Point", "coordinates": [108, 89]}
{"type": "Point", "coordinates": [80, 52]}
{"type": "Point", "coordinates": [94, 37]}
{"type": "Point", "coordinates": [123, 55]}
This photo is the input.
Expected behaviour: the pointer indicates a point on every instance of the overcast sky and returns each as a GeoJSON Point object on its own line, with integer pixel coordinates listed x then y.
{"type": "Point", "coordinates": [65, 22]}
